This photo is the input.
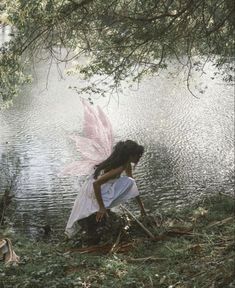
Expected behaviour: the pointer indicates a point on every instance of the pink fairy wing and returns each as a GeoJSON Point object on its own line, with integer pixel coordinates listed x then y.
{"type": "Point", "coordinates": [82, 167]}
{"type": "Point", "coordinates": [96, 144]}
{"type": "Point", "coordinates": [98, 128]}
{"type": "Point", "coordinates": [108, 131]}
{"type": "Point", "coordinates": [89, 148]}
{"type": "Point", "coordinates": [92, 126]}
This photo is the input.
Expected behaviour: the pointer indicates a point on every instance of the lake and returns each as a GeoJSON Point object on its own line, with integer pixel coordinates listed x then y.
{"type": "Point", "coordinates": [189, 150]}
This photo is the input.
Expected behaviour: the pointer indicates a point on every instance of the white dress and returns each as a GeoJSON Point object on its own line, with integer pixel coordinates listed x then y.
{"type": "Point", "coordinates": [113, 192]}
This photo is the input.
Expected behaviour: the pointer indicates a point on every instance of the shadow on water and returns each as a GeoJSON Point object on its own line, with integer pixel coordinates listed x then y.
{"type": "Point", "coordinates": [10, 167]}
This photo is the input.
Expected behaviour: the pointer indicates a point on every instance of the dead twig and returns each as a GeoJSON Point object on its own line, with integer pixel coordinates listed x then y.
{"type": "Point", "coordinates": [103, 249]}
{"type": "Point", "coordinates": [176, 232]}
{"type": "Point", "coordinates": [114, 247]}
{"type": "Point", "coordinates": [218, 223]}
{"type": "Point", "coordinates": [150, 258]}
{"type": "Point", "coordinates": [138, 222]}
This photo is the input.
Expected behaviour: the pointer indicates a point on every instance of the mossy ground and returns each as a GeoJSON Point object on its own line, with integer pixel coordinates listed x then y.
{"type": "Point", "coordinates": [203, 256]}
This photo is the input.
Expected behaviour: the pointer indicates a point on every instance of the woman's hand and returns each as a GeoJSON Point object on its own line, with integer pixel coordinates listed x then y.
{"type": "Point", "coordinates": [100, 214]}
{"type": "Point", "coordinates": [97, 190]}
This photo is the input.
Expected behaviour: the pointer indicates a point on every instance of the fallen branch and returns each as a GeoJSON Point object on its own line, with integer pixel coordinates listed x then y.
{"type": "Point", "coordinates": [114, 247]}
{"type": "Point", "coordinates": [176, 232]}
{"type": "Point", "coordinates": [121, 248]}
{"type": "Point", "coordinates": [218, 223]}
{"type": "Point", "coordinates": [145, 259]}
{"type": "Point", "coordinates": [140, 224]}
{"type": "Point", "coordinates": [161, 237]}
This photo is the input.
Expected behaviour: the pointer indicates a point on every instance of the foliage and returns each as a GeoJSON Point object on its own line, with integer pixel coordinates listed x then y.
{"type": "Point", "coordinates": [203, 259]}
{"type": "Point", "coordinates": [123, 39]}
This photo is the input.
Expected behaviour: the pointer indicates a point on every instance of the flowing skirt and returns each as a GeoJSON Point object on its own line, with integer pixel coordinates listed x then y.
{"type": "Point", "coordinates": [114, 192]}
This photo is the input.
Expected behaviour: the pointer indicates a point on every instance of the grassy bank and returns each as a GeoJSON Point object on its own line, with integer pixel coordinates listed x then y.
{"type": "Point", "coordinates": [193, 248]}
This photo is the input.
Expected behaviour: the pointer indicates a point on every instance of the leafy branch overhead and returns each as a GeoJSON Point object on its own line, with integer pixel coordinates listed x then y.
{"type": "Point", "coordinates": [124, 39]}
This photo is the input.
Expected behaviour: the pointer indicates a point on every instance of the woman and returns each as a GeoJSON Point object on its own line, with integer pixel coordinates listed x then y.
{"type": "Point", "coordinates": [106, 188]}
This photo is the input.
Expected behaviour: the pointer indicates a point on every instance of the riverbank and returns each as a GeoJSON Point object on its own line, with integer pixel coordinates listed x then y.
{"type": "Point", "coordinates": [192, 248]}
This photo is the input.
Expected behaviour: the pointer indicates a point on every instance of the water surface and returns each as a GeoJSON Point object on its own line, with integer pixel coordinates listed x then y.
{"type": "Point", "coordinates": [188, 141]}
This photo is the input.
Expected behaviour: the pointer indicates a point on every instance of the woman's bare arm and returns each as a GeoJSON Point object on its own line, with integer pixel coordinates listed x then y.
{"type": "Point", "coordinates": [97, 189]}
{"type": "Point", "coordinates": [128, 171]}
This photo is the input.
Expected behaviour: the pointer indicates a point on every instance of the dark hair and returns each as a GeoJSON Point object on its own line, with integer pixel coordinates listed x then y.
{"type": "Point", "coordinates": [120, 156]}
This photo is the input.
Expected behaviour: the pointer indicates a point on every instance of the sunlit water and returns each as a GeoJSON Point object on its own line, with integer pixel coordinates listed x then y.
{"type": "Point", "coordinates": [188, 141]}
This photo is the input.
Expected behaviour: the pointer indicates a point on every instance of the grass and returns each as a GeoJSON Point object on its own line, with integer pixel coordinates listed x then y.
{"type": "Point", "coordinates": [203, 257]}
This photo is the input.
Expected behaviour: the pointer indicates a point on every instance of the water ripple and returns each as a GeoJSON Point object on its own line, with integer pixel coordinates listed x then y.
{"type": "Point", "coordinates": [188, 143]}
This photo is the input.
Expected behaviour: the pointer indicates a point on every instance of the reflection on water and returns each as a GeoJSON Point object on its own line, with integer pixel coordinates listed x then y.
{"type": "Point", "coordinates": [188, 141]}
